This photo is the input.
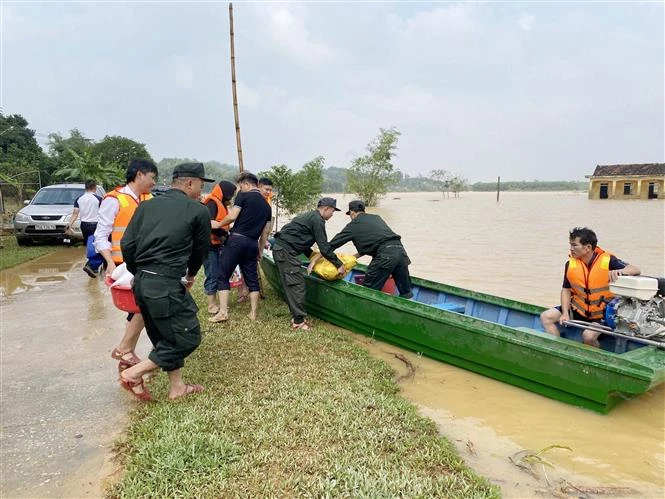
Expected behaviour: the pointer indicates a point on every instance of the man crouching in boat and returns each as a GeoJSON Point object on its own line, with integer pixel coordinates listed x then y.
{"type": "Point", "coordinates": [295, 238]}
{"type": "Point", "coordinates": [585, 292]}
{"type": "Point", "coordinates": [372, 236]}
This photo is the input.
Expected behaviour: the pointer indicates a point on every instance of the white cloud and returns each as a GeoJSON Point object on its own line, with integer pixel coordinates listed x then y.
{"type": "Point", "coordinates": [526, 21]}
{"type": "Point", "coordinates": [287, 31]}
{"type": "Point", "coordinates": [451, 20]}
{"type": "Point", "coordinates": [183, 74]}
{"type": "Point", "coordinates": [247, 97]}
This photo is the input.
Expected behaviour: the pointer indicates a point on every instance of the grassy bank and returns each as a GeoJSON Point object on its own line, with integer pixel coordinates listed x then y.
{"type": "Point", "coordinates": [12, 254]}
{"type": "Point", "coordinates": [286, 414]}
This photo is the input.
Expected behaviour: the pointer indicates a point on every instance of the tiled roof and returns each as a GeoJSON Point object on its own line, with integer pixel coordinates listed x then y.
{"type": "Point", "coordinates": [622, 170]}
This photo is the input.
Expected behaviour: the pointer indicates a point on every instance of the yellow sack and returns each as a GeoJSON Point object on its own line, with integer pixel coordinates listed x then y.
{"type": "Point", "coordinates": [323, 268]}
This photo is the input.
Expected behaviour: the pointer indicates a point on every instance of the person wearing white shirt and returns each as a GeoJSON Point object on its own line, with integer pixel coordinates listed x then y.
{"type": "Point", "coordinates": [86, 207]}
{"type": "Point", "coordinates": [115, 212]}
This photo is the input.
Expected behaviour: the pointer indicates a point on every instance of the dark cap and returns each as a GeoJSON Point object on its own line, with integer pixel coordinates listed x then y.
{"type": "Point", "coordinates": [356, 205]}
{"type": "Point", "coordinates": [191, 170]}
{"type": "Point", "coordinates": [331, 202]}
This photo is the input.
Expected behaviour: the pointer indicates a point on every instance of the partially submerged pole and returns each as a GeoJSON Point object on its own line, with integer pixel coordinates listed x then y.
{"type": "Point", "coordinates": [498, 187]}
{"type": "Point", "coordinates": [235, 94]}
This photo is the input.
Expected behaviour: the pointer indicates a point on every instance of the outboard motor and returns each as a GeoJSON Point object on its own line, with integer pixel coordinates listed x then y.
{"type": "Point", "coordinates": [638, 308]}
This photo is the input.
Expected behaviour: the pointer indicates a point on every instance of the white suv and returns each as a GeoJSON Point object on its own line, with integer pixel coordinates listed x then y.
{"type": "Point", "coordinates": [47, 215]}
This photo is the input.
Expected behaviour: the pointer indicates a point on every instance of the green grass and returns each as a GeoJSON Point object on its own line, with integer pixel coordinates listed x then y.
{"type": "Point", "coordinates": [12, 254]}
{"type": "Point", "coordinates": [286, 414]}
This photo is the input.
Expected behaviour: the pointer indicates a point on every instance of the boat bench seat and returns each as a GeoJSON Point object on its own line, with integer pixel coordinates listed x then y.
{"type": "Point", "coordinates": [451, 307]}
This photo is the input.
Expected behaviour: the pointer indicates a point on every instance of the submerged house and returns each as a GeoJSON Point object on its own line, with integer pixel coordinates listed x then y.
{"type": "Point", "coordinates": [645, 181]}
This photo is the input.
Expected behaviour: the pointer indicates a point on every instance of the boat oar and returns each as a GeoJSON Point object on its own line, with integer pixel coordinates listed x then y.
{"type": "Point", "coordinates": [598, 328]}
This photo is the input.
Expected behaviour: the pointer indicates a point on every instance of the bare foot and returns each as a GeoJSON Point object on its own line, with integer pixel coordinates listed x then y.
{"type": "Point", "coordinates": [252, 316]}
{"type": "Point", "coordinates": [187, 390]}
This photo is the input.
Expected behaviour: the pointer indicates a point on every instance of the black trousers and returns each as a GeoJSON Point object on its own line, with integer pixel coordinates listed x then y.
{"type": "Point", "coordinates": [293, 281]}
{"type": "Point", "coordinates": [239, 251]}
{"type": "Point", "coordinates": [169, 312]}
{"type": "Point", "coordinates": [390, 259]}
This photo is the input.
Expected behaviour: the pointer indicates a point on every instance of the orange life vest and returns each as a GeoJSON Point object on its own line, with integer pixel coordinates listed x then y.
{"type": "Point", "coordinates": [590, 287]}
{"type": "Point", "coordinates": [128, 206]}
{"type": "Point", "coordinates": [217, 196]}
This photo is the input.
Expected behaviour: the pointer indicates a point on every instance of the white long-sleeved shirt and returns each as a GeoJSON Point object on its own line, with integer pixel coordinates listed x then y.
{"type": "Point", "coordinates": [108, 210]}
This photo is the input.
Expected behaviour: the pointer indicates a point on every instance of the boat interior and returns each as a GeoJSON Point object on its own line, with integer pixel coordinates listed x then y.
{"type": "Point", "coordinates": [494, 313]}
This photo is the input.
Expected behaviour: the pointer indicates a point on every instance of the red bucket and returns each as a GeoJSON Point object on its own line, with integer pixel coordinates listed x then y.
{"type": "Point", "coordinates": [123, 297]}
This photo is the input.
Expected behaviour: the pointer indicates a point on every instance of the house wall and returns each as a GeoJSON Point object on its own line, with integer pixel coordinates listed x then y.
{"type": "Point", "coordinates": [638, 187]}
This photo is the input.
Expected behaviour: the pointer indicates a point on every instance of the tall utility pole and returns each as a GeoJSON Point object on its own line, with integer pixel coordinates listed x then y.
{"type": "Point", "coordinates": [235, 94]}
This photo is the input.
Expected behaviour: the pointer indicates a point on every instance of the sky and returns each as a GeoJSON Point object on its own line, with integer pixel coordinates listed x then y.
{"type": "Point", "coordinates": [520, 90]}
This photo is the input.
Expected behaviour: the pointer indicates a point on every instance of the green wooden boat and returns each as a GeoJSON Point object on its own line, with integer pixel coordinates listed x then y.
{"type": "Point", "coordinates": [497, 337]}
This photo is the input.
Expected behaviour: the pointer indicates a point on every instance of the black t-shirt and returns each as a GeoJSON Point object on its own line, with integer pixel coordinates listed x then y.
{"type": "Point", "coordinates": [255, 212]}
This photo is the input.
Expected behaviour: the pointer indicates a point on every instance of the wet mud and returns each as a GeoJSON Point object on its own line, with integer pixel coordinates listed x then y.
{"type": "Point", "coordinates": [61, 406]}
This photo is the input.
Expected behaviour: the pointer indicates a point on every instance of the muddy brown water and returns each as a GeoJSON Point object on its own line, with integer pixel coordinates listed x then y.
{"type": "Point", "coordinates": [61, 406]}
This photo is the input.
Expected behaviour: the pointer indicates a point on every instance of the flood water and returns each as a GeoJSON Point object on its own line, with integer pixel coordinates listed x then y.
{"type": "Point", "coordinates": [517, 248]}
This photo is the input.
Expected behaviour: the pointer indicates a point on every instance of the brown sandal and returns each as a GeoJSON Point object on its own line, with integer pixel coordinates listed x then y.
{"type": "Point", "coordinates": [130, 385]}
{"type": "Point", "coordinates": [189, 390]}
{"type": "Point", "coordinates": [219, 317]}
{"type": "Point", "coordinates": [124, 363]}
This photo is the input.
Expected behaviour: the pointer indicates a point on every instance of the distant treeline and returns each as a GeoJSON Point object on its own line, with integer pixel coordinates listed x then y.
{"type": "Point", "coordinates": [334, 180]}
{"type": "Point", "coordinates": [533, 185]}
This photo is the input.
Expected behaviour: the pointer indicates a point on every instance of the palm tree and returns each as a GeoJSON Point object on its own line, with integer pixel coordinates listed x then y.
{"type": "Point", "coordinates": [86, 166]}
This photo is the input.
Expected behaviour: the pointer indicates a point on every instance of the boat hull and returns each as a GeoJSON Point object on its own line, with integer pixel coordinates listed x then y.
{"type": "Point", "coordinates": [555, 367]}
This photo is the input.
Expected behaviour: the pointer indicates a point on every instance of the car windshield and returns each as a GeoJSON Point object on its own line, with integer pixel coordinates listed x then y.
{"type": "Point", "coordinates": [63, 196]}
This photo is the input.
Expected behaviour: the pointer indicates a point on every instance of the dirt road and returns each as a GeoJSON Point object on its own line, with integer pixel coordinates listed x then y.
{"type": "Point", "coordinates": [61, 404]}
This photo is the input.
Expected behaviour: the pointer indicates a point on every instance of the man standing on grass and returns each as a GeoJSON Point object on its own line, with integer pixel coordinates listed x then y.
{"type": "Point", "coordinates": [251, 217]}
{"type": "Point", "coordinates": [167, 239]}
{"type": "Point", "coordinates": [296, 238]}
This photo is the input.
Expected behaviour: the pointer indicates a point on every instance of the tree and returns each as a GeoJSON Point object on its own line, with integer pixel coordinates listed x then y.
{"type": "Point", "coordinates": [371, 175]}
{"type": "Point", "coordinates": [87, 165]}
{"type": "Point", "coordinates": [22, 161]}
{"type": "Point", "coordinates": [296, 191]}
{"type": "Point", "coordinates": [119, 150]}
{"type": "Point", "coordinates": [442, 179]}
{"type": "Point", "coordinates": [458, 184]}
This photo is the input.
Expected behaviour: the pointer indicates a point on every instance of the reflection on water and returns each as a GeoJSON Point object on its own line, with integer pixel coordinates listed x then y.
{"type": "Point", "coordinates": [517, 249]}
{"type": "Point", "coordinates": [50, 269]}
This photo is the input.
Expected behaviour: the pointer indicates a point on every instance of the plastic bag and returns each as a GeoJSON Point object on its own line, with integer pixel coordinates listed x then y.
{"type": "Point", "coordinates": [323, 268]}
{"type": "Point", "coordinates": [121, 276]}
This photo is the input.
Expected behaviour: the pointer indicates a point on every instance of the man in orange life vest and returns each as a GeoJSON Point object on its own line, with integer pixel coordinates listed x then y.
{"type": "Point", "coordinates": [115, 212]}
{"type": "Point", "coordinates": [585, 292]}
{"type": "Point", "coordinates": [217, 202]}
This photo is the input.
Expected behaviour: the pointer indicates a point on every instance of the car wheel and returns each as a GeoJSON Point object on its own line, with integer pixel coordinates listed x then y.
{"type": "Point", "coordinates": [24, 242]}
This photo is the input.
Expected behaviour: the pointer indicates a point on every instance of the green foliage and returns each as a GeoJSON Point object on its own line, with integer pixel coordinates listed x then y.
{"type": "Point", "coordinates": [534, 185]}
{"type": "Point", "coordinates": [296, 192]}
{"type": "Point", "coordinates": [214, 169]}
{"type": "Point", "coordinates": [21, 158]}
{"type": "Point", "coordinates": [87, 165]}
{"type": "Point", "coordinates": [119, 151]}
{"type": "Point", "coordinates": [334, 179]}
{"type": "Point", "coordinates": [371, 175]}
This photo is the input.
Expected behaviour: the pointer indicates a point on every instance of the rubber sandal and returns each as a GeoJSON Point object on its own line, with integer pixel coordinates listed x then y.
{"type": "Point", "coordinates": [189, 390]}
{"type": "Point", "coordinates": [302, 325]}
{"type": "Point", "coordinates": [219, 317]}
{"type": "Point", "coordinates": [124, 363]}
{"type": "Point", "coordinates": [130, 385]}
